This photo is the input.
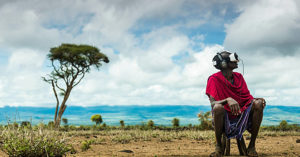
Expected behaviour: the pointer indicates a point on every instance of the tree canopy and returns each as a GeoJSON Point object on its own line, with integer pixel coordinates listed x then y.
{"type": "Point", "coordinates": [97, 118]}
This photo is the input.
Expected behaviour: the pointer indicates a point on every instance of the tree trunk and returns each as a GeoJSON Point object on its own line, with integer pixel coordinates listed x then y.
{"type": "Point", "coordinates": [63, 106]}
{"type": "Point", "coordinates": [57, 101]}
{"type": "Point", "coordinates": [60, 113]}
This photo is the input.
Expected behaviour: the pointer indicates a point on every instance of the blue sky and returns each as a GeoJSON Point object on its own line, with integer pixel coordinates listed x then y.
{"type": "Point", "coordinates": [160, 51]}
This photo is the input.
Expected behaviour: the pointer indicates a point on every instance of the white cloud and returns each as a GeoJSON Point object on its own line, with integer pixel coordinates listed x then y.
{"type": "Point", "coordinates": [270, 25]}
{"type": "Point", "coordinates": [21, 82]}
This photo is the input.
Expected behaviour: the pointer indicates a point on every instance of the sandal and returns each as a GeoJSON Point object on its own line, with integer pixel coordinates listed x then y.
{"type": "Point", "coordinates": [252, 152]}
{"type": "Point", "coordinates": [218, 152]}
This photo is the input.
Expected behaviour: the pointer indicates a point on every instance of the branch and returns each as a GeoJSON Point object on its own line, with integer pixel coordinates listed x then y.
{"type": "Point", "coordinates": [64, 76]}
{"type": "Point", "coordinates": [59, 87]}
{"type": "Point", "coordinates": [52, 62]}
{"type": "Point", "coordinates": [79, 80]}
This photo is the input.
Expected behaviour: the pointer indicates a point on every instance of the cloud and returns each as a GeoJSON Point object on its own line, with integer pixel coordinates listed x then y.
{"type": "Point", "coordinates": [21, 82]}
{"type": "Point", "coordinates": [268, 27]}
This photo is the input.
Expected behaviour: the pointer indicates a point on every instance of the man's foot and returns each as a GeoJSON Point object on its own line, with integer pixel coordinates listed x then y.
{"type": "Point", "coordinates": [218, 152]}
{"type": "Point", "coordinates": [252, 152]}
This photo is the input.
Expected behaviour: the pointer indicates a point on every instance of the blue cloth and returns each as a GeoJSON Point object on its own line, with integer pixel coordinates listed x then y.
{"type": "Point", "coordinates": [235, 128]}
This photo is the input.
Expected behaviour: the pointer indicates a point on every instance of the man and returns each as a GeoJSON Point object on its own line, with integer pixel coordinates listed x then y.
{"type": "Point", "coordinates": [233, 107]}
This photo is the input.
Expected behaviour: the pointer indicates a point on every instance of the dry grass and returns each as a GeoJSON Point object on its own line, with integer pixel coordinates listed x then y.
{"type": "Point", "coordinates": [82, 141]}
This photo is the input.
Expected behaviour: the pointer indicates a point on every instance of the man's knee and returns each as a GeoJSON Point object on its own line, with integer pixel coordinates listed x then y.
{"type": "Point", "coordinates": [258, 105]}
{"type": "Point", "coordinates": [218, 109]}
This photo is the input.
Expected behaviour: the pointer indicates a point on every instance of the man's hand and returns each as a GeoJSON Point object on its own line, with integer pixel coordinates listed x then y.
{"type": "Point", "coordinates": [234, 106]}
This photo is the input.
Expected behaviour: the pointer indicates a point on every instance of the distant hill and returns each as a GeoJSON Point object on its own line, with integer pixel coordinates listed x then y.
{"type": "Point", "coordinates": [161, 115]}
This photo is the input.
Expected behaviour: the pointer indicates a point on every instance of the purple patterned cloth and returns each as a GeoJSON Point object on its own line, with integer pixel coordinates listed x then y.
{"type": "Point", "coordinates": [234, 128]}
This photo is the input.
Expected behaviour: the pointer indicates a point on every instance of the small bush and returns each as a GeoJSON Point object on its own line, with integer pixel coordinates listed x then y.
{"type": "Point", "coordinates": [165, 139]}
{"type": "Point", "coordinates": [122, 123]}
{"type": "Point", "coordinates": [283, 125]}
{"type": "Point", "coordinates": [50, 125]}
{"type": "Point", "coordinates": [65, 121]}
{"type": "Point", "coordinates": [85, 145]}
{"type": "Point", "coordinates": [122, 139]}
{"type": "Point", "coordinates": [205, 120]}
{"type": "Point", "coordinates": [175, 122]}
{"type": "Point", "coordinates": [26, 124]}
{"type": "Point", "coordinates": [150, 124]}
{"type": "Point", "coordinates": [29, 142]}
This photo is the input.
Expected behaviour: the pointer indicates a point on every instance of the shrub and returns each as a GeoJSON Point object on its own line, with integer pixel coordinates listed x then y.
{"type": "Point", "coordinates": [72, 127]}
{"type": "Point", "coordinates": [205, 120]}
{"type": "Point", "coordinates": [122, 123]}
{"type": "Point", "coordinates": [85, 145]}
{"type": "Point", "coordinates": [175, 122]}
{"type": "Point", "coordinates": [150, 124]}
{"type": "Point", "coordinates": [26, 124]}
{"type": "Point", "coordinates": [29, 142]}
{"type": "Point", "coordinates": [97, 119]}
{"type": "Point", "coordinates": [283, 125]}
{"type": "Point", "coordinates": [50, 124]}
{"type": "Point", "coordinates": [122, 138]}
{"type": "Point", "coordinates": [65, 121]}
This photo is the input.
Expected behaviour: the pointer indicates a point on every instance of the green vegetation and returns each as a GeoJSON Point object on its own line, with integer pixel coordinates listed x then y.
{"type": "Point", "coordinates": [97, 118]}
{"type": "Point", "coordinates": [205, 120]}
{"type": "Point", "coordinates": [65, 121]}
{"type": "Point", "coordinates": [26, 124]}
{"type": "Point", "coordinates": [70, 64]}
{"type": "Point", "coordinates": [150, 124]}
{"type": "Point", "coordinates": [282, 127]}
{"type": "Point", "coordinates": [122, 123]}
{"type": "Point", "coordinates": [85, 145]}
{"type": "Point", "coordinates": [32, 142]}
{"type": "Point", "coordinates": [42, 140]}
{"type": "Point", "coordinates": [175, 122]}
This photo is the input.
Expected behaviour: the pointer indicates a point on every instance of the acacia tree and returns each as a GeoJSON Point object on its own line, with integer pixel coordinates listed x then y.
{"type": "Point", "coordinates": [97, 118]}
{"type": "Point", "coordinates": [70, 64]}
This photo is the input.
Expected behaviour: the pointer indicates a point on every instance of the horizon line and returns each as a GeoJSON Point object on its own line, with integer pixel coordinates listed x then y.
{"type": "Point", "coordinates": [146, 105]}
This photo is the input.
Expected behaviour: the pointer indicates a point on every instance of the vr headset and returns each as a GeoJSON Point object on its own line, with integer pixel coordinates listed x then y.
{"type": "Point", "coordinates": [221, 62]}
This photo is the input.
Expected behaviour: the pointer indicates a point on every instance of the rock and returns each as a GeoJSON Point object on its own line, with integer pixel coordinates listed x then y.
{"type": "Point", "coordinates": [126, 151]}
{"type": "Point", "coordinates": [298, 141]}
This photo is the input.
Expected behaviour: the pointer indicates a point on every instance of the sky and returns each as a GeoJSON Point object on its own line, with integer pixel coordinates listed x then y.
{"type": "Point", "coordinates": [160, 51]}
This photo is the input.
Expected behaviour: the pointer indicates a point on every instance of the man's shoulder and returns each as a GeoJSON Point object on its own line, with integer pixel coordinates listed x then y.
{"type": "Point", "coordinates": [214, 74]}
{"type": "Point", "coordinates": [237, 74]}
{"type": "Point", "coordinates": [213, 77]}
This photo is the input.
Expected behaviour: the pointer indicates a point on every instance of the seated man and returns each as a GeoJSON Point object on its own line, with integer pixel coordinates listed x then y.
{"type": "Point", "coordinates": [233, 108]}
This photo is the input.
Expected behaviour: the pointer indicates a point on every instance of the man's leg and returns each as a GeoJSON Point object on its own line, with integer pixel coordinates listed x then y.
{"type": "Point", "coordinates": [218, 112]}
{"type": "Point", "coordinates": [257, 116]}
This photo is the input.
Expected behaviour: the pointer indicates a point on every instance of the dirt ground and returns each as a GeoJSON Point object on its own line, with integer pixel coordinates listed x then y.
{"type": "Point", "coordinates": [266, 146]}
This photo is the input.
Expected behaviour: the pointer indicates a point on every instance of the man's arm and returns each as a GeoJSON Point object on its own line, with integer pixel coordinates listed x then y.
{"type": "Point", "coordinates": [213, 101]}
{"type": "Point", "coordinates": [233, 105]}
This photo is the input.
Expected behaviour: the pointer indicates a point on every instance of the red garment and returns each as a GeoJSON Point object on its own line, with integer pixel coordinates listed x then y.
{"type": "Point", "coordinates": [220, 88]}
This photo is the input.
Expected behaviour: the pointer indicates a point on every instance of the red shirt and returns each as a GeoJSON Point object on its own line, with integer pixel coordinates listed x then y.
{"type": "Point", "coordinates": [220, 88]}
